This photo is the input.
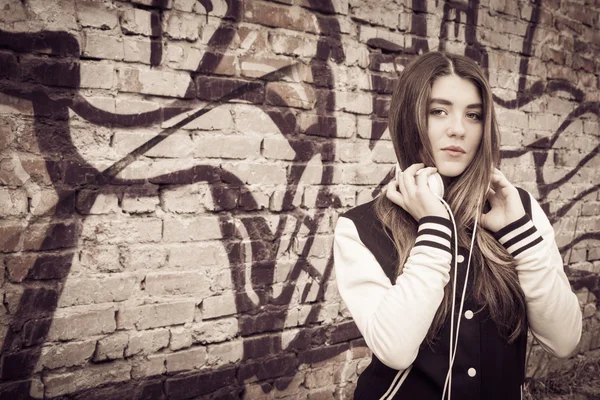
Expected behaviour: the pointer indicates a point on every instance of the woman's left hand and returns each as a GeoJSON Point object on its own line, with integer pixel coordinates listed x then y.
{"type": "Point", "coordinates": [505, 202]}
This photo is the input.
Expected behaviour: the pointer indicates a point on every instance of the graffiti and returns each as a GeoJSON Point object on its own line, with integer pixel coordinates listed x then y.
{"type": "Point", "coordinates": [33, 317]}
{"type": "Point", "coordinates": [262, 246]}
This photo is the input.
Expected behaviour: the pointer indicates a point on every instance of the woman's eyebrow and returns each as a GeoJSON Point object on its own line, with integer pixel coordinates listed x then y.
{"type": "Point", "coordinates": [449, 103]}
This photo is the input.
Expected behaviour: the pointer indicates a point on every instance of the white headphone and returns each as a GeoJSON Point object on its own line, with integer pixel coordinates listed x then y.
{"type": "Point", "coordinates": [434, 182]}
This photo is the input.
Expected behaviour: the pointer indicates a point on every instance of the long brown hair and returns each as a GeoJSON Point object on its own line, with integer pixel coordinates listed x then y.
{"type": "Point", "coordinates": [496, 285]}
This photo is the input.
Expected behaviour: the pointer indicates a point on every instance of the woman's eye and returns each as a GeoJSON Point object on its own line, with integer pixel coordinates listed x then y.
{"type": "Point", "coordinates": [437, 112]}
{"type": "Point", "coordinates": [474, 116]}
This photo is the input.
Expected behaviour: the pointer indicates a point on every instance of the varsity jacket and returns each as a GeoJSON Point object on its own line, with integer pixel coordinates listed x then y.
{"type": "Point", "coordinates": [394, 313]}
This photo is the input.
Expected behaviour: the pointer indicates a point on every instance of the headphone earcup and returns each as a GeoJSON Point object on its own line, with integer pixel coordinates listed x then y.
{"type": "Point", "coordinates": [436, 184]}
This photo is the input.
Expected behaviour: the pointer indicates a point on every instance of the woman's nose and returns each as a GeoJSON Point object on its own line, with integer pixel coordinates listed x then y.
{"type": "Point", "coordinates": [457, 127]}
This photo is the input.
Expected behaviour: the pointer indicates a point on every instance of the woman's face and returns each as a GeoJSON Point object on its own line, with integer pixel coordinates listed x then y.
{"type": "Point", "coordinates": [454, 124]}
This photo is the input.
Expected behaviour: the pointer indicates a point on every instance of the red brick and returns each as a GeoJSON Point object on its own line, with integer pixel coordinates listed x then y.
{"type": "Point", "coordinates": [320, 378]}
{"type": "Point", "coordinates": [19, 365]}
{"type": "Point", "coordinates": [42, 171]}
{"type": "Point", "coordinates": [334, 6]}
{"type": "Point", "coordinates": [184, 5]}
{"type": "Point", "coordinates": [103, 46]}
{"type": "Point", "coordinates": [52, 202]}
{"type": "Point", "coordinates": [78, 174]}
{"type": "Point", "coordinates": [177, 283]}
{"type": "Point", "coordinates": [381, 107]}
{"type": "Point", "coordinates": [140, 199]}
{"type": "Point", "coordinates": [180, 25]}
{"type": "Point", "coordinates": [268, 320]}
{"type": "Point", "coordinates": [189, 359]}
{"type": "Point", "coordinates": [280, 365]}
{"type": "Point", "coordinates": [7, 126]}
{"type": "Point", "coordinates": [31, 301]}
{"type": "Point", "coordinates": [51, 72]}
{"type": "Point", "coordinates": [116, 391]}
{"type": "Point", "coordinates": [291, 45]}
{"type": "Point", "coordinates": [67, 354]}
{"type": "Point", "coordinates": [156, 315]}
{"type": "Point", "coordinates": [61, 383]}
{"type": "Point", "coordinates": [161, 4]}
{"type": "Point", "coordinates": [273, 68]}
{"type": "Point", "coordinates": [225, 353]}
{"type": "Point", "coordinates": [177, 145]}
{"type": "Point", "coordinates": [199, 228]}
{"type": "Point", "coordinates": [52, 236]}
{"type": "Point", "coordinates": [16, 390]}
{"type": "Point", "coordinates": [318, 355]}
{"type": "Point", "coordinates": [359, 349]}
{"type": "Point", "coordinates": [97, 16]}
{"type": "Point", "coordinates": [9, 66]}
{"type": "Point", "coordinates": [297, 340]}
{"type": "Point", "coordinates": [138, 21]}
{"type": "Point", "coordinates": [254, 173]}
{"type": "Point", "coordinates": [272, 15]}
{"type": "Point", "coordinates": [153, 365]}
{"type": "Point", "coordinates": [375, 14]}
{"type": "Point", "coordinates": [147, 342]}
{"type": "Point", "coordinates": [139, 257]}
{"type": "Point", "coordinates": [180, 338]}
{"type": "Point", "coordinates": [290, 95]}
{"type": "Point", "coordinates": [119, 230]}
{"type": "Point", "coordinates": [68, 325]}
{"type": "Point", "coordinates": [322, 393]}
{"type": "Point", "coordinates": [583, 63]}
{"type": "Point", "coordinates": [223, 89]}
{"type": "Point", "coordinates": [214, 63]}
{"type": "Point", "coordinates": [35, 330]}
{"type": "Point", "coordinates": [261, 346]}
{"type": "Point", "coordinates": [214, 331]}
{"type": "Point", "coordinates": [148, 390]}
{"type": "Point", "coordinates": [344, 332]}
{"type": "Point", "coordinates": [137, 50]}
{"type": "Point", "coordinates": [218, 306]}
{"type": "Point", "coordinates": [97, 202]}
{"type": "Point", "coordinates": [38, 266]}
{"type": "Point", "coordinates": [180, 388]}
{"type": "Point", "coordinates": [96, 75]}
{"type": "Point", "coordinates": [198, 255]}
{"type": "Point", "coordinates": [95, 290]}
{"type": "Point", "coordinates": [153, 82]}
{"type": "Point", "coordinates": [564, 24]}
{"type": "Point", "coordinates": [226, 146]}
{"type": "Point", "coordinates": [10, 236]}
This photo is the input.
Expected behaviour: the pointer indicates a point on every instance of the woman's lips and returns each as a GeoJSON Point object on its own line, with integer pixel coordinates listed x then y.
{"type": "Point", "coordinates": [452, 152]}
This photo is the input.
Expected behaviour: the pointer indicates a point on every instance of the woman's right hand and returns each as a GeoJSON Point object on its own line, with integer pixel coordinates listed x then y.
{"type": "Point", "coordinates": [412, 193]}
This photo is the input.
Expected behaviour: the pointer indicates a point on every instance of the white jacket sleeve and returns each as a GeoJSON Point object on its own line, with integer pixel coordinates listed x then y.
{"type": "Point", "coordinates": [552, 308]}
{"type": "Point", "coordinates": [393, 319]}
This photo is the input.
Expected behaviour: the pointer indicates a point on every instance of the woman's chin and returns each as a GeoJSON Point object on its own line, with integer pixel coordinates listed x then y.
{"type": "Point", "coordinates": [450, 172]}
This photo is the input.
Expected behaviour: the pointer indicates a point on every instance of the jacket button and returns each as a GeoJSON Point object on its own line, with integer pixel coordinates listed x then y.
{"type": "Point", "coordinates": [468, 314]}
{"type": "Point", "coordinates": [472, 372]}
{"type": "Point", "coordinates": [460, 258]}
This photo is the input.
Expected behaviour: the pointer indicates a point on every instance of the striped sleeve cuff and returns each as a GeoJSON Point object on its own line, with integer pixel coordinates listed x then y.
{"type": "Point", "coordinates": [434, 232]}
{"type": "Point", "coordinates": [518, 236]}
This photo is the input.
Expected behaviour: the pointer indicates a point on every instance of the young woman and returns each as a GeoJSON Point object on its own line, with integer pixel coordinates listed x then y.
{"type": "Point", "coordinates": [444, 320]}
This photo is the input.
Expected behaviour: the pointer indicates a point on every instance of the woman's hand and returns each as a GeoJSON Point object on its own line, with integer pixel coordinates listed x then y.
{"type": "Point", "coordinates": [412, 193]}
{"type": "Point", "coordinates": [506, 206]}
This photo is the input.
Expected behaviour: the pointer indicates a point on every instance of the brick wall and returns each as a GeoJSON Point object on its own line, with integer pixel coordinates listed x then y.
{"type": "Point", "coordinates": [171, 172]}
